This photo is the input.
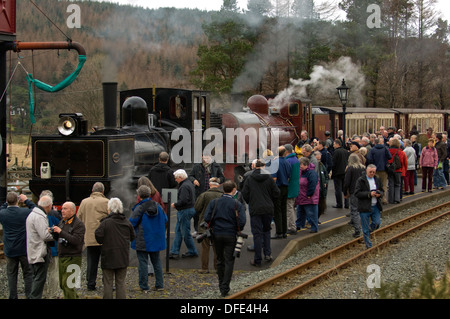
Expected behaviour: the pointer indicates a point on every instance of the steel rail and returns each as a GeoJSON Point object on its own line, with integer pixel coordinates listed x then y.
{"type": "Point", "coordinates": [286, 275]}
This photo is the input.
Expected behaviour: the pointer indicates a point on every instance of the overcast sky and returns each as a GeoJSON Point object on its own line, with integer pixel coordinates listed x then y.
{"type": "Point", "coordinates": [443, 5]}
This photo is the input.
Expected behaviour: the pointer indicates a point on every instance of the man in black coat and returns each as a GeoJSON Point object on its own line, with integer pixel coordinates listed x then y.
{"type": "Point", "coordinates": [13, 219]}
{"type": "Point", "coordinates": [260, 192]}
{"type": "Point", "coordinates": [340, 161]}
{"type": "Point", "coordinates": [161, 175]}
{"type": "Point", "coordinates": [369, 191]}
{"type": "Point", "coordinates": [226, 223]}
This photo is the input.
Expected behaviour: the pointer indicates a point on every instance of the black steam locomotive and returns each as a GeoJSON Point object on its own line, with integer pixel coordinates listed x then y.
{"type": "Point", "coordinates": [70, 162]}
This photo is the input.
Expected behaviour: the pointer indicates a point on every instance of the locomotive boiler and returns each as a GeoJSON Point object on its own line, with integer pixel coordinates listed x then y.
{"type": "Point", "coordinates": [282, 120]}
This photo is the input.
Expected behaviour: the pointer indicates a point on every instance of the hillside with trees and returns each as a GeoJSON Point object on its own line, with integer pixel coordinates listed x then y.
{"type": "Point", "coordinates": [273, 46]}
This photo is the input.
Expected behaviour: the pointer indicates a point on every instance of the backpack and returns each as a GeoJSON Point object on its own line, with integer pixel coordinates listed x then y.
{"type": "Point", "coordinates": [395, 165]}
{"type": "Point", "coordinates": [396, 161]}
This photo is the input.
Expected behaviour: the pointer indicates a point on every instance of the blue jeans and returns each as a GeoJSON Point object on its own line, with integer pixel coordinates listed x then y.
{"type": "Point", "coordinates": [143, 269]}
{"type": "Point", "coordinates": [367, 226]}
{"type": "Point", "coordinates": [439, 178]}
{"type": "Point", "coordinates": [183, 231]}
{"type": "Point", "coordinates": [310, 213]}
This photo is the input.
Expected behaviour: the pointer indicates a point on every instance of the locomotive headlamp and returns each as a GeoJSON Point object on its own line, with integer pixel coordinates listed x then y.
{"type": "Point", "coordinates": [72, 124]}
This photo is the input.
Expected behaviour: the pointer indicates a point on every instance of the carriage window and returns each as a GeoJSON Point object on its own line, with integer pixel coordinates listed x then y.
{"type": "Point", "coordinates": [177, 106]}
{"type": "Point", "coordinates": [294, 109]}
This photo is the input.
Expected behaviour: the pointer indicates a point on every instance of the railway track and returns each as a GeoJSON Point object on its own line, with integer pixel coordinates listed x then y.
{"type": "Point", "coordinates": [295, 281]}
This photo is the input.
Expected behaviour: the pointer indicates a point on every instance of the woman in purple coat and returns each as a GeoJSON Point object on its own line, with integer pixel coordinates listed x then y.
{"type": "Point", "coordinates": [308, 197]}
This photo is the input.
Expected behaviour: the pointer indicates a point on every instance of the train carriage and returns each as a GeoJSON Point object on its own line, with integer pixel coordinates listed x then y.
{"type": "Point", "coordinates": [422, 119]}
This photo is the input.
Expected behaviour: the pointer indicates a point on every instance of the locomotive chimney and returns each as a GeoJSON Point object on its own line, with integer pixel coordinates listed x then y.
{"type": "Point", "coordinates": [110, 104]}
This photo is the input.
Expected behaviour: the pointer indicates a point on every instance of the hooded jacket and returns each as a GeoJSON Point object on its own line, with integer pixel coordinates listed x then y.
{"type": "Point", "coordinates": [259, 192]}
{"type": "Point", "coordinates": [148, 220]}
{"type": "Point", "coordinates": [309, 187]}
{"type": "Point", "coordinates": [379, 155]}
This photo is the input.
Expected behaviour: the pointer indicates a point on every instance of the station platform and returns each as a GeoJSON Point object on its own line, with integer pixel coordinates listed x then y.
{"type": "Point", "coordinates": [334, 220]}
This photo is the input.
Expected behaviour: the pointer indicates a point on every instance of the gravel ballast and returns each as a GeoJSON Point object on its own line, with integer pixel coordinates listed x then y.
{"type": "Point", "coordinates": [402, 262]}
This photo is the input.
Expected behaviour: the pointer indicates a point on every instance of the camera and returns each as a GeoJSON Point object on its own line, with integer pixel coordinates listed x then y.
{"type": "Point", "coordinates": [239, 244]}
{"type": "Point", "coordinates": [206, 234]}
{"type": "Point", "coordinates": [63, 241]}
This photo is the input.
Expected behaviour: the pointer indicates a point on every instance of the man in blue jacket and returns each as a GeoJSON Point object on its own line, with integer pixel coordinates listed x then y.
{"type": "Point", "coordinates": [13, 218]}
{"type": "Point", "coordinates": [226, 217]}
{"type": "Point", "coordinates": [379, 155]}
{"type": "Point", "coordinates": [281, 176]}
{"type": "Point", "coordinates": [148, 220]}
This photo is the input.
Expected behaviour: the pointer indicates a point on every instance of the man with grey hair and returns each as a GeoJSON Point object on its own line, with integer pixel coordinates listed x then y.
{"type": "Point", "coordinates": [92, 210]}
{"type": "Point", "coordinates": [70, 236]}
{"type": "Point", "coordinates": [185, 207]}
{"type": "Point", "coordinates": [13, 219]}
{"type": "Point", "coordinates": [38, 252]}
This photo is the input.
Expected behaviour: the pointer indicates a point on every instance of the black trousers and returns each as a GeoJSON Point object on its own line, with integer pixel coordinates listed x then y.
{"type": "Point", "coordinates": [339, 191]}
{"type": "Point", "coordinates": [92, 259]}
{"type": "Point", "coordinates": [280, 216]}
{"type": "Point", "coordinates": [225, 261]}
{"type": "Point", "coordinates": [39, 277]}
{"type": "Point", "coordinates": [12, 270]}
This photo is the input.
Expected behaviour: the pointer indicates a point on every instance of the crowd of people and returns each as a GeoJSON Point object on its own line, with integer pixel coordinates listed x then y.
{"type": "Point", "coordinates": [288, 189]}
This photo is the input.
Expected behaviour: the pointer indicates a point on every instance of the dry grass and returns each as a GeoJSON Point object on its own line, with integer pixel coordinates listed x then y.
{"type": "Point", "coordinates": [17, 154]}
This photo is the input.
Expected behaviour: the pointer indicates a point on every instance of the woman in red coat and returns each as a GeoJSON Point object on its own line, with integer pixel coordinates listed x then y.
{"type": "Point", "coordinates": [395, 180]}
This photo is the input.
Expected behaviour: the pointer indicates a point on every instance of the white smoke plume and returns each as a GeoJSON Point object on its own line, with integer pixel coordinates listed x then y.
{"type": "Point", "coordinates": [321, 88]}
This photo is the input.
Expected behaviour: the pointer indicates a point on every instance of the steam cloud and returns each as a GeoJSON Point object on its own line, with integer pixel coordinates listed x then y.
{"type": "Point", "coordinates": [324, 81]}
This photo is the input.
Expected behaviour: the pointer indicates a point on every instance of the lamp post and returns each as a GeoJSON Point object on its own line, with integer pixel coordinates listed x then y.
{"type": "Point", "coordinates": [343, 91]}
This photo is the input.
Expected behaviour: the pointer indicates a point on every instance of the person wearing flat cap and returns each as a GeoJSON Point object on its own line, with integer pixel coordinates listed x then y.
{"type": "Point", "coordinates": [354, 149]}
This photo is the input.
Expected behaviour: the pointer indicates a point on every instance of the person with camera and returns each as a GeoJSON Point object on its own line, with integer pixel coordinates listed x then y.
{"type": "Point", "coordinates": [226, 218]}
{"type": "Point", "coordinates": [70, 236]}
{"type": "Point", "coordinates": [200, 207]}
{"type": "Point", "coordinates": [369, 191]}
